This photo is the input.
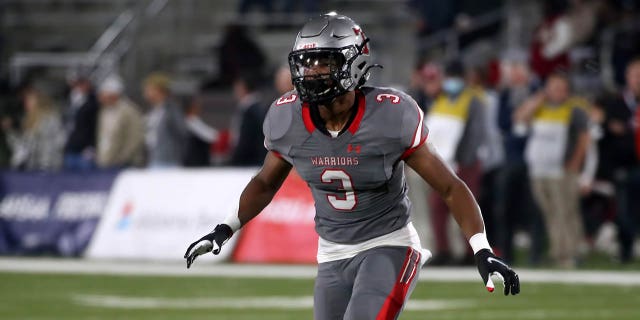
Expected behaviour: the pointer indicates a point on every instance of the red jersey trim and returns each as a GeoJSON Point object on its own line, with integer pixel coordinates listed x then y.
{"type": "Point", "coordinates": [355, 124]}
{"type": "Point", "coordinates": [306, 118]}
{"type": "Point", "coordinates": [416, 134]}
{"type": "Point", "coordinates": [410, 151]}
{"type": "Point", "coordinates": [360, 113]}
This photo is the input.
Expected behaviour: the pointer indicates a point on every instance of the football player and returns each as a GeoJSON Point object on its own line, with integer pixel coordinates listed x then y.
{"type": "Point", "coordinates": [350, 142]}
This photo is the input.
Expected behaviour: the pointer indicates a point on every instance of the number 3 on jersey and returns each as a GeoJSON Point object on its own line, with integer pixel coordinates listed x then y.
{"type": "Point", "coordinates": [344, 202]}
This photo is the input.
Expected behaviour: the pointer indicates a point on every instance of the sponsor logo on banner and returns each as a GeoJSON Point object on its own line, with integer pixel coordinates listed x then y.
{"type": "Point", "coordinates": [53, 213]}
{"type": "Point", "coordinates": [287, 222]}
{"type": "Point", "coordinates": [156, 214]}
{"type": "Point", "coordinates": [69, 206]}
{"type": "Point", "coordinates": [125, 216]}
{"type": "Point", "coordinates": [24, 207]}
{"type": "Point", "coordinates": [80, 205]}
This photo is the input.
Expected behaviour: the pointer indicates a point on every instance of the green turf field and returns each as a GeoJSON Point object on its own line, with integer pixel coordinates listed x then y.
{"type": "Point", "coordinates": [45, 296]}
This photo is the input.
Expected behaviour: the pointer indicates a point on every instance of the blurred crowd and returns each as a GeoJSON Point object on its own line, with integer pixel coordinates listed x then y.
{"type": "Point", "coordinates": [544, 143]}
{"type": "Point", "coordinates": [537, 155]}
{"type": "Point", "coordinates": [544, 146]}
{"type": "Point", "coordinates": [101, 128]}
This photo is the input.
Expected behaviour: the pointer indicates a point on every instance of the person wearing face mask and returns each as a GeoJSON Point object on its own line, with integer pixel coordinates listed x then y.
{"type": "Point", "coordinates": [458, 129]}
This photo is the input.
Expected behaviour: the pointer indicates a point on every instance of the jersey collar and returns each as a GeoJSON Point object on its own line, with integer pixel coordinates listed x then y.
{"type": "Point", "coordinates": [352, 126]}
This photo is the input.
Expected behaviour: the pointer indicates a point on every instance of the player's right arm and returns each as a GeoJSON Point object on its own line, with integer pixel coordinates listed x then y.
{"type": "Point", "coordinates": [254, 198]}
{"type": "Point", "coordinates": [260, 190]}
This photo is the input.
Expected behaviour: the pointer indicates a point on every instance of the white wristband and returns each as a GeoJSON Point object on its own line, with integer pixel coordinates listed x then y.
{"type": "Point", "coordinates": [478, 242]}
{"type": "Point", "coordinates": [233, 221]}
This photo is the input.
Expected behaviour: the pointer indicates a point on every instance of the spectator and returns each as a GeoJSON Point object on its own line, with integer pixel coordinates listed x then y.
{"type": "Point", "coordinates": [491, 152]}
{"type": "Point", "coordinates": [9, 110]}
{"type": "Point", "coordinates": [247, 123]}
{"type": "Point", "coordinates": [80, 123]}
{"type": "Point", "coordinates": [416, 83]}
{"type": "Point", "coordinates": [555, 154]}
{"type": "Point", "coordinates": [515, 205]}
{"type": "Point", "coordinates": [625, 26]}
{"type": "Point", "coordinates": [120, 132]}
{"type": "Point", "coordinates": [38, 145]}
{"type": "Point", "coordinates": [618, 161]}
{"type": "Point", "coordinates": [597, 195]}
{"type": "Point", "coordinates": [238, 51]}
{"type": "Point", "coordinates": [166, 132]}
{"type": "Point", "coordinates": [282, 80]}
{"type": "Point", "coordinates": [422, 79]}
{"type": "Point", "coordinates": [456, 129]}
{"type": "Point", "coordinates": [431, 82]}
{"type": "Point", "coordinates": [200, 136]}
{"type": "Point", "coordinates": [552, 40]}
{"type": "Point", "coordinates": [582, 17]}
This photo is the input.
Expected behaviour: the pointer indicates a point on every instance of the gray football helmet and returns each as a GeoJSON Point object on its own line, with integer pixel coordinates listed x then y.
{"type": "Point", "coordinates": [331, 56]}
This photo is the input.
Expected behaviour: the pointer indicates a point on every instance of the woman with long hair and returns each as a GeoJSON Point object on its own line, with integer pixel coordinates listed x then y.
{"type": "Point", "coordinates": [39, 142]}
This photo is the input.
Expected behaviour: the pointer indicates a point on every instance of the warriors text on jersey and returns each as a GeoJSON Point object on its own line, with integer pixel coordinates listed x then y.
{"type": "Point", "coordinates": [357, 178]}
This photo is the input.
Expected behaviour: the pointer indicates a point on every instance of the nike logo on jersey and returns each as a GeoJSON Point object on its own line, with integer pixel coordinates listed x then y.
{"type": "Point", "coordinates": [491, 259]}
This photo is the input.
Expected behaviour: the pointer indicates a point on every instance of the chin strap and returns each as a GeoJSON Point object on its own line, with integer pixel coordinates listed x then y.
{"type": "Point", "coordinates": [366, 74]}
{"type": "Point", "coordinates": [361, 46]}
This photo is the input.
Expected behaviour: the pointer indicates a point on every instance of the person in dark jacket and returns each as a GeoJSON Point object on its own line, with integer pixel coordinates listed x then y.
{"type": "Point", "coordinates": [80, 123]}
{"type": "Point", "coordinates": [515, 205]}
{"type": "Point", "coordinates": [247, 123]}
{"type": "Point", "coordinates": [200, 136]}
{"type": "Point", "coordinates": [618, 160]}
{"type": "Point", "coordinates": [238, 51]}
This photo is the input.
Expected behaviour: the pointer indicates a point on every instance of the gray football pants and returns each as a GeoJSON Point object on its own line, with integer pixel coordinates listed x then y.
{"type": "Point", "coordinates": [373, 285]}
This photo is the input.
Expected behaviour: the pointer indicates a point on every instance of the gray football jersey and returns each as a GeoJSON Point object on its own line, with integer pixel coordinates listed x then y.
{"type": "Point", "coordinates": [357, 178]}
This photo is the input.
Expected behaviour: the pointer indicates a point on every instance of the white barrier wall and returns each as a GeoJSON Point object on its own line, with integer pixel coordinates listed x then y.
{"type": "Point", "coordinates": [156, 214]}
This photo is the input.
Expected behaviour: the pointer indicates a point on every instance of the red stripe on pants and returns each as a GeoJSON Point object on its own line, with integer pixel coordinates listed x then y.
{"type": "Point", "coordinates": [393, 304]}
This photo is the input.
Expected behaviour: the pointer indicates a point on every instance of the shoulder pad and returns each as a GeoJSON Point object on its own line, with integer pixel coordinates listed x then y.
{"type": "Point", "coordinates": [396, 109]}
{"type": "Point", "coordinates": [279, 117]}
{"type": "Point", "coordinates": [390, 101]}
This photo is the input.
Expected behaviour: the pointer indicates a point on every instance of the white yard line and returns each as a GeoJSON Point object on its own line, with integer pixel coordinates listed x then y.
{"type": "Point", "coordinates": [428, 274]}
{"type": "Point", "coordinates": [264, 302]}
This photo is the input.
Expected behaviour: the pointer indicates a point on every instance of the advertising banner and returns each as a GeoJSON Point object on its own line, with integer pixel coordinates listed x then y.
{"type": "Point", "coordinates": [156, 214]}
{"type": "Point", "coordinates": [50, 213]}
{"type": "Point", "coordinates": [284, 231]}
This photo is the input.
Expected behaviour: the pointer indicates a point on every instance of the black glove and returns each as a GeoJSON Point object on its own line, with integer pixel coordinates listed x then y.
{"type": "Point", "coordinates": [210, 242]}
{"type": "Point", "coordinates": [488, 264]}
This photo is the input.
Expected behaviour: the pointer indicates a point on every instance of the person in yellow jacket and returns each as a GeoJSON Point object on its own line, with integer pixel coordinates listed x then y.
{"type": "Point", "coordinates": [457, 130]}
{"type": "Point", "coordinates": [557, 146]}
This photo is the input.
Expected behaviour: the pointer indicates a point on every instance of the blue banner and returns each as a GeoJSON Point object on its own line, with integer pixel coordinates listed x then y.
{"type": "Point", "coordinates": [51, 213]}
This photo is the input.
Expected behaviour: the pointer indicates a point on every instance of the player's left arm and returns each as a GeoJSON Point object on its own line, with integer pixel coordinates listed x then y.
{"type": "Point", "coordinates": [466, 211]}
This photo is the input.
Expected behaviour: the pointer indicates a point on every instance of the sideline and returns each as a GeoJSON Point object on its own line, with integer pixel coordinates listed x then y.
{"type": "Point", "coordinates": [264, 302]}
{"type": "Point", "coordinates": [428, 274]}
